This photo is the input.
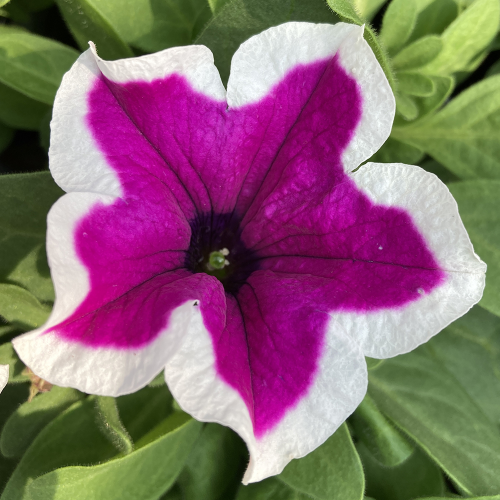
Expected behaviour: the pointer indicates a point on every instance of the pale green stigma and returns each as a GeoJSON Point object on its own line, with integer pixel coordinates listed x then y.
{"type": "Point", "coordinates": [217, 260]}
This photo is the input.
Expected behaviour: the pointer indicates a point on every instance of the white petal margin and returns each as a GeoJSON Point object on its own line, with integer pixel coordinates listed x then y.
{"type": "Point", "coordinates": [74, 158]}
{"type": "Point", "coordinates": [103, 371]}
{"type": "Point", "coordinates": [338, 388]}
{"type": "Point", "coordinates": [4, 376]}
{"type": "Point", "coordinates": [434, 212]}
{"type": "Point", "coordinates": [264, 60]}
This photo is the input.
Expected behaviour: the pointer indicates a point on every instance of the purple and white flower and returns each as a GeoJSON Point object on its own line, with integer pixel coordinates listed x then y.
{"type": "Point", "coordinates": [223, 237]}
{"type": "Point", "coordinates": [4, 376]}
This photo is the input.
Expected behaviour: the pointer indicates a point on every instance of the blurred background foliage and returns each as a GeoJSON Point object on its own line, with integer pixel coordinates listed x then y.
{"type": "Point", "coordinates": [430, 424]}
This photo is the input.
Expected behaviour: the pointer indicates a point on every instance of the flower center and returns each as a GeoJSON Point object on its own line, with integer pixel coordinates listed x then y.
{"type": "Point", "coordinates": [216, 248]}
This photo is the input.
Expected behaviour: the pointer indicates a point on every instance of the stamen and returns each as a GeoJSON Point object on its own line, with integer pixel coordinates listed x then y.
{"type": "Point", "coordinates": [217, 260]}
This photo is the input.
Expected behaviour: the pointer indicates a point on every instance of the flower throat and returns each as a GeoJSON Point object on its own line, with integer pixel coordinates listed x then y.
{"type": "Point", "coordinates": [216, 248]}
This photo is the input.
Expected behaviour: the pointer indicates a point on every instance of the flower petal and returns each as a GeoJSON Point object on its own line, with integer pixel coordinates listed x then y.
{"type": "Point", "coordinates": [264, 60]}
{"type": "Point", "coordinates": [4, 376]}
{"type": "Point", "coordinates": [75, 160]}
{"type": "Point", "coordinates": [209, 374]}
{"type": "Point", "coordinates": [114, 323]}
{"type": "Point", "coordinates": [434, 213]}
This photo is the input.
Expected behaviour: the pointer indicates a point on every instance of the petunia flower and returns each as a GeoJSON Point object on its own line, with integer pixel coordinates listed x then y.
{"type": "Point", "coordinates": [223, 237]}
{"type": "Point", "coordinates": [4, 376]}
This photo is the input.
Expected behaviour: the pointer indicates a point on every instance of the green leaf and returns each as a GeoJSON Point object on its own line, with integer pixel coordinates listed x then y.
{"type": "Point", "coordinates": [424, 399]}
{"type": "Point", "coordinates": [175, 493]}
{"type": "Point", "coordinates": [478, 207]}
{"type": "Point", "coordinates": [436, 168]}
{"type": "Point", "coordinates": [216, 5]}
{"type": "Point", "coordinates": [32, 272]}
{"type": "Point", "coordinates": [394, 151]}
{"type": "Point", "coordinates": [7, 332]}
{"type": "Point", "coordinates": [397, 24]}
{"type": "Point", "coordinates": [25, 201]}
{"type": "Point", "coordinates": [381, 439]}
{"type": "Point", "coordinates": [418, 54]}
{"type": "Point", "coordinates": [494, 69]}
{"type": "Point", "coordinates": [108, 420]}
{"type": "Point", "coordinates": [269, 489]}
{"type": "Point", "coordinates": [144, 474]}
{"type": "Point", "coordinates": [6, 136]}
{"type": "Point", "coordinates": [368, 8]}
{"type": "Point", "coordinates": [464, 135]}
{"type": "Point", "coordinates": [215, 466]}
{"type": "Point", "coordinates": [406, 107]}
{"type": "Point", "coordinates": [434, 18]}
{"type": "Point", "coordinates": [346, 11]}
{"type": "Point", "coordinates": [143, 410]}
{"type": "Point", "coordinates": [414, 478]}
{"type": "Point", "coordinates": [32, 64]}
{"type": "Point", "coordinates": [467, 37]}
{"type": "Point", "coordinates": [9, 357]}
{"type": "Point", "coordinates": [495, 497]}
{"type": "Point", "coordinates": [470, 349]}
{"type": "Point", "coordinates": [241, 19]}
{"type": "Point", "coordinates": [19, 111]}
{"type": "Point", "coordinates": [31, 417]}
{"type": "Point", "coordinates": [154, 25]}
{"type": "Point", "coordinates": [71, 438]}
{"type": "Point", "coordinates": [443, 87]}
{"type": "Point", "coordinates": [20, 307]}
{"type": "Point", "coordinates": [415, 84]}
{"type": "Point", "coordinates": [332, 471]}
{"type": "Point", "coordinates": [12, 396]}
{"type": "Point", "coordinates": [86, 23]}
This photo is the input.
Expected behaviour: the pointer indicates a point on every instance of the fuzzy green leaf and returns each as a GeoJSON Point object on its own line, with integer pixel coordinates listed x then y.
{"type": "Point", "coordinates": [31, 417]}
{"type": "Point", "coordinates": [415, 84]}
{"type": "Point", "coordinates": [332, 471]}
{"type": "Point", "coordinates": [397, 24]}
{"type": "Point", "coordinates": [382, 440]}
{"type": "Point", "coordinates": [406, 107]}
{"type": "Point", "coordinates": [12, 396]}
{"type": "Point", "coordinates": [32, 64]}
{"type": "Point", "coordinates": [413, 478]}
{"type": "Point", "coordinates": [25, 201]}
{"type": "Point", "coordinates": [470, 349]}
{"type": "Point", "coordinates": [467, 37]}
{"type": "Point", "coordinates": [394, 151]}
{"type": "Point", "coordinates": [434, 17]}
{"type": "Point", "coordinates": [424, 399]}
{"type": "Point", "coordinates": [368, 8]}
{"type": "Point", "coordinates": [144, 474]}
{"type": "Point", "coordinates": [20, 307]}
{"type": "Point", "coordinates": [153, 26]}
{"type": "Point", "coordinates": [6, 136]}
{"type": "Point", "coordinates": [478, 207]}
{"type": "Point", "coordinates": [87, 23]}
{"type": "Point", "coordinates": [443, 87]}
{"type": "Point", "coordinates": [464, 135]}
{"type": "Point", "coordinates": [418, 54]}
{"type": "Point", "coordinates": [108, 420]}
{"type": "Point", "coordinates": [9, 357]}
{"type": "Point", "coordinates": [270, 489]}
{"type": "Point", "coordinates": [346, 11]}
{"type": "Point", "coordinates": [240, 19]}
{"type": "Point", "coordinates": [71, 438]}
{"type": "Point", "coordinates": [143, 410]}
{"type": "Point", "coordinates": [20, 111]}
{"type": "Point", "coordinates": [215, 466]}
